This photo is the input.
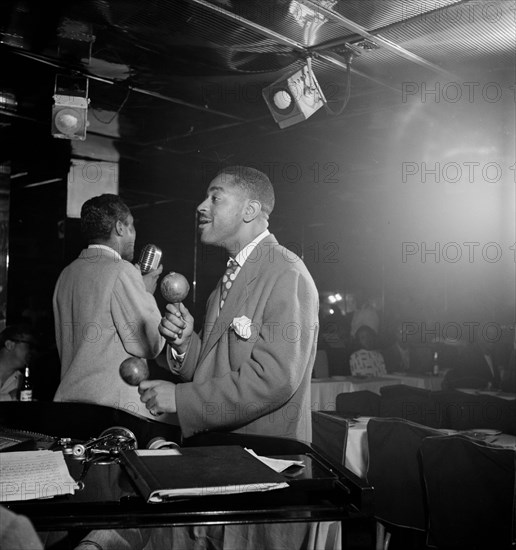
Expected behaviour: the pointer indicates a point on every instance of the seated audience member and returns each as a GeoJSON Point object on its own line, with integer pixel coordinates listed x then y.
{"type": "Point", "coordinates": [397, 355]}
{"type": "Point", "coordinates": [477, 365]}
{"type": "Point", "coordinates": [366, 315]}
{"type": "Point", "coordinates": [366, 361]}
{"type": "Point", "coordinates": [16, 342]}
{"type": "Point", "coordinates": [335, 341]}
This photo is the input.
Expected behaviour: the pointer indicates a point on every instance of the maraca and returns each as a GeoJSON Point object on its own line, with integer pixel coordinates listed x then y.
{"type": "Point", "coordinates": [134, 370]}
{"type": "Point", "coordinates": [174, 287]}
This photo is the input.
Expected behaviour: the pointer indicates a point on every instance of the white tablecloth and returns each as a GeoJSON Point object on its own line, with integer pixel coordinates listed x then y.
{"type": "Point", "coordinates": [357, 451]}
{"type": "Point", "coordinates": [325, 390]}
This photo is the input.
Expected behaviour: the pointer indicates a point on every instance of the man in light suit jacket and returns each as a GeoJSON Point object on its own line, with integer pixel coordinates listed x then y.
{"type": "Point", "coordinates": [250, 368]}
{"type": "Point", "coordinates": [104, 310]}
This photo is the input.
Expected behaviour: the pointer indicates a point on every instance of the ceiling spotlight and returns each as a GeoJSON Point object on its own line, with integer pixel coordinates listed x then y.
{"type": "Point", "coordinates": [69, 120]}
{"type": "Point", "coordinates": [7, 101]}
{"type": "Point", "coordinates": [283, 99]}
{"type": "Point", "coordinates": [70, 109]}
{"type": "Point", "coordinates": [294, 98]}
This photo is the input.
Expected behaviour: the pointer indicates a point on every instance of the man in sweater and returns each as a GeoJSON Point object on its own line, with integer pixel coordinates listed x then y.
{"type": "Point", "coordinates": [104, 310]}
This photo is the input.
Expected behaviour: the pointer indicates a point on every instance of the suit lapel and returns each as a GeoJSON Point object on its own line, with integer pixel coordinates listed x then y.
{"type": "Point", "coordinates": [217, 325]}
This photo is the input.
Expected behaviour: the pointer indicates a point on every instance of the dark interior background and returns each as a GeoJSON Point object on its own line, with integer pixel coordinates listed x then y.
{"type": "Point", "coordinates": [405, 193]}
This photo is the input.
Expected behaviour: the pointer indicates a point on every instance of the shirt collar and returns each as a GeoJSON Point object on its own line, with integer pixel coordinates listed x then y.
{"type": "Point", "coordinates": [104, 247]}
{"type": "Point", "coordinates": [242, 256]}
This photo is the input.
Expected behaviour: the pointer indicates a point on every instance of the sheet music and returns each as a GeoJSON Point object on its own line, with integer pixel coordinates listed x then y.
{"type": "Point", "coordinates": [31, 475]}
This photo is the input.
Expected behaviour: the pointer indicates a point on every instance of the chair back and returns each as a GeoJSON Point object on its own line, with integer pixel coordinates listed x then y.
{"type": "Point", "coordinates": [358, 403]}
{"type": "Point", "coordinates": [414, 404]}
{"type": "Point", "coordinates": [464, 411]}
{"type": "Point", "coordinates": [470, 493]}
{"type": "Point", "coordinates": [395, 472]}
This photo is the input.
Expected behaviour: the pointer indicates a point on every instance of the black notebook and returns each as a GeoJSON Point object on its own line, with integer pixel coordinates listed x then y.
{"type": "Point", "coordinates": [199, 471]}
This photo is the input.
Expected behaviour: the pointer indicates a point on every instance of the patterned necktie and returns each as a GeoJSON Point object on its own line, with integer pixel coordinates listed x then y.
{"type": "Point", "coordinates": [227, 281]}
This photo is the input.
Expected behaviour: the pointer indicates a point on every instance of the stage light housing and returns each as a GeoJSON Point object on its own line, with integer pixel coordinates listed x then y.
{"type": "Point", "coordinates": [70, 108]}
{"type": "Point", "coordinates": [69, 117]}
{"type": "Point", "coordinates": [293, 98]}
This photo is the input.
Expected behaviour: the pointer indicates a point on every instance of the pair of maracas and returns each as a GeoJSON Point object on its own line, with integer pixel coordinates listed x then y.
{"type": "Point", "coordinates": [174, 288]}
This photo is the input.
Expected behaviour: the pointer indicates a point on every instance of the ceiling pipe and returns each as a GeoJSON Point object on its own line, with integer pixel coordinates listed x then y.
{"type": "Point", "coordinates": [377, 39]}
{"type": "Point", "coordinates": [82, 72]}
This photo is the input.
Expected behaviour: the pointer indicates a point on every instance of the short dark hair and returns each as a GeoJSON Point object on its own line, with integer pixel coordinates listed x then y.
{"type": "Point", "coordinates": [256, 184]}
{"type": "Point", "coordinates": [15, 333]}
{"type": "Point", "coordinates": [100, 214]}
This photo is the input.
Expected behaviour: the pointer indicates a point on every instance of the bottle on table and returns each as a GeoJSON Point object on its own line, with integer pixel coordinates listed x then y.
{"type": "Point", "coordinates": [26, 387]}
{"type": "Point", "coordinates": [435, 367]}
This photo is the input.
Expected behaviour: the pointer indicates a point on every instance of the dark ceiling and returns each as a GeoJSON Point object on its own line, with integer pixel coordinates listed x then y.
{"type": "Point", "coordinates": [175, 91]}
{"type": "Point", "coordinates": [184, 78]}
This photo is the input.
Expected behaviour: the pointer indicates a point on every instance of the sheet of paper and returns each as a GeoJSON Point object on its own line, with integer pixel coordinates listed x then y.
{"type": "Point", "coordinates": [161, 495]}
{"type": "Point", "coordinates": [277, 464]}
{"type": "Point", "coordinates": [158, 452]}
{"type": "Point", "coordinates": [31, 475]}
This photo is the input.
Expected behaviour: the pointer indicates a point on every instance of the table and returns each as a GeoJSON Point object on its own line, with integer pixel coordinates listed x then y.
{"type": "Point", "coordinates": [492, 393]}
{"type": "Point", "coordinates": [109, 499]}
{"type": "Point", "coordinates": [357, 451]}
{"type": "Point", "coordinates": [343, 439]}
{"type": "Point", "coordinates": [347, 439]}
{"type": "Point", "coordinates": [423, 381]}
{"type": "Point", "coordinates": [325, 390]}
{"type": "Point", "coordinates": [321, 492]}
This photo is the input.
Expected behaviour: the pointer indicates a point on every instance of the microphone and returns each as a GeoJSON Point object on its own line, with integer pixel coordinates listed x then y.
{"type": "Point", "coordinates": [150, 258]}
{"type": "Point", "coordinates": [160, 443]}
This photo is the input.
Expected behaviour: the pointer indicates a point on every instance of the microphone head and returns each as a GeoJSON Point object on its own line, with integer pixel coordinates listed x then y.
{"type": "Point", "coordinates": [150, 258]}
{"type": "Point", "coordinates": [160, 443]}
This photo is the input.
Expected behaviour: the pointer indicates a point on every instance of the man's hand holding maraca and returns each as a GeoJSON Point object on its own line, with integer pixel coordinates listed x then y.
{"type": "Point", "coordinates": [159, 396]}
{"type": "Point", "coordinates": [176, 327]}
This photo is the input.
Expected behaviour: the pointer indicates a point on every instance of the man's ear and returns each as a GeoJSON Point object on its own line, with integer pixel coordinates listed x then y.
{"type": "Point", "coordinates": [9, 345]}
{"type": "Point", "coordinates": [252, 210]}
{"type": "Point", "coordinates": [119, 228]}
